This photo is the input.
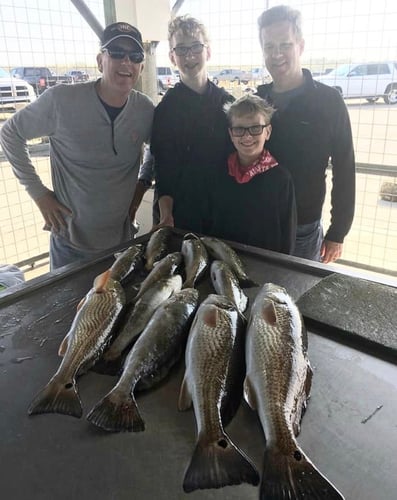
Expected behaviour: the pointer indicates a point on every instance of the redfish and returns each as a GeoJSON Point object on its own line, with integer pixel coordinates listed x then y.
{"type": "Point", "coordinates": [82, 346]}
{"type": "Point", "coordinates": [277, 385]}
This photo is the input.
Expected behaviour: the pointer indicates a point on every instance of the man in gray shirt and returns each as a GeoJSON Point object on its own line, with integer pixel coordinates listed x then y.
{"type": "Point", "coordinates": [96, 131]}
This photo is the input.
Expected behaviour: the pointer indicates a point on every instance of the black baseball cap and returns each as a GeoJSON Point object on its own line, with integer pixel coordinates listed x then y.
{"type": "Point", "coordinates": [121, 30]}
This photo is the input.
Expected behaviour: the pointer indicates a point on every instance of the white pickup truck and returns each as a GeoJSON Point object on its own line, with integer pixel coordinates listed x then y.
{"type": "Point", "coordinates": [368, 81]}
{"type": "Point", "coordinates": [14, 93]}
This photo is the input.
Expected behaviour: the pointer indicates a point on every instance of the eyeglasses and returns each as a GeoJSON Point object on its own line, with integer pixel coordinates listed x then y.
{"type": "Point", "coordinates": [182, 50]}
{"type": "Point", "coordinates": [134, 57]}
{"type": "Point", "coordinates": [253, 130]}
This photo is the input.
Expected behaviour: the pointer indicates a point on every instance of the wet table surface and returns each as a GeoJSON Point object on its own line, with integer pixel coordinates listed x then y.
{"type": "Point", "coordinates": [349, 430]}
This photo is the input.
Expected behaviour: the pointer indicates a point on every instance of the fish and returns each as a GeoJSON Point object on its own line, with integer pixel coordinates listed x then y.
{"type": "Point", "coordinates": [157, 349]}
{"type": "Point", "coordinates": [126, 262]}
{"type": "Point", "coordinates": [164, 268]}
{"type": "Point", "coordinates": [213, 383]}
{"type": "Point", "coordinates": [225, 283]}
{"type": "Point", "coordinates": [220, 250]}
{"type": "Point", "coordinates": [141, 313]}
{"type": "Point", "coordinates": [196, 260]}
{"type": "Point", "coordinates": [277, 386]}
{"type": "Point", "coordinates": [82, 346]}
{"type": "Point", "coordinates": [157, 246]}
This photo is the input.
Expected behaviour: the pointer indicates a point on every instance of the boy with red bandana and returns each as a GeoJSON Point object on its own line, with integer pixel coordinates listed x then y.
{"type": "Point", "coordinates": [253, 200]}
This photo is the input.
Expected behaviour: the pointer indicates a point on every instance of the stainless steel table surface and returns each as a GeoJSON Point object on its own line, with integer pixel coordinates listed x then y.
{"type": "Point", "coordinates": [52, 456]}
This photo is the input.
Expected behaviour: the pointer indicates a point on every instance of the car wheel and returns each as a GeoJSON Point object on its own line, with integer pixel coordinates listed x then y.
{"type": "Point", "coordinates": [215, 80]}
{"type": "Point", "coordinates": [391, 95]}
{"type": "Point", "coordinates": [245, 82]}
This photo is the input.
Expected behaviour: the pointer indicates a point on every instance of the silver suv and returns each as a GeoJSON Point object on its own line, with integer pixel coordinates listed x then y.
{"type": "Point", "coordinates": [368, 81]}
{"type": "Point", "coordinates": [232, 75]}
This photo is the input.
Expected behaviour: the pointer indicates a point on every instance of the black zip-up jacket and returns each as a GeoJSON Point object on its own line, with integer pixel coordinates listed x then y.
{"type": "Point", "coordinates": [313, 129]}
{"type": "Point", "coordinates": [189, 142]}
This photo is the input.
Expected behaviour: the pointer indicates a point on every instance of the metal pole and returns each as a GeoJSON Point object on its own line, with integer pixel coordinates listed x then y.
{"type": "Point", "coordinates": [88, 16]}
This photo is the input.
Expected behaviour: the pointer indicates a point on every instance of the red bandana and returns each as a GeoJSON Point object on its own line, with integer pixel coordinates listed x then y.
{"type": "Point", "coordinates": [244, 174]}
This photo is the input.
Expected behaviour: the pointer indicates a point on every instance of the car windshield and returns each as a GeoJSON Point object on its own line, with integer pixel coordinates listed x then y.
{"type": "Point", "coordinates": [340, 71]}
{"type": "Point", "coordinates": [4, 73]}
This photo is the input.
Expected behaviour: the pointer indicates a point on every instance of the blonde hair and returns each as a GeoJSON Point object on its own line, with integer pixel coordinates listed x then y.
{"type": "Point", "coordinates": [248, 105]}
{"type": "Point", "coordinates": [188, 25]}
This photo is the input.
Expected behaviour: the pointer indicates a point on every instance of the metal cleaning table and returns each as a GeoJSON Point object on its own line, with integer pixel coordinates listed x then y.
{"type": "Point", "coordinates": [349, 430]}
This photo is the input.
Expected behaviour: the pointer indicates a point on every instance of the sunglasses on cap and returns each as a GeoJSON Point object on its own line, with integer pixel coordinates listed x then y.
{"type": "Point", "coordinates": [118, 53]}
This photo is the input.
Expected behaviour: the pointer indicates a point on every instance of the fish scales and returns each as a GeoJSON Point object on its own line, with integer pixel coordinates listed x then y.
{"type": "Point", "coordinates": [149, 361]}
{"type": "Point", "coordinates": [196, 260]}
{"type": "Point", "coordinates": [213, 383]}
{"type": "Point", "coordinates": [84, 343]}
{"type": "Point", "coordinates": [277, 385]}
{"type": "Point", "coordinates": [141, 313]}
{"type": "Point", "coordinates": [283, 363]}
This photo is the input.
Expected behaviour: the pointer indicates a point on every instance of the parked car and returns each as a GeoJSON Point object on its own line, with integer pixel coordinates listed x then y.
{"type": "Point", "coordinates": [365, 80]}
{"type": "Point", "coordinates": [40, 78]}
{"type": "Point", "coordinates": [231, 75]}
{"type": "Point", "coordinates": [260, 75]}
{"type": "Point", "coordinates": [78, 75]}
{"type": "Point", "coordinates": [14, 93]}
{"type": "Point", "coordinates": [166, 78]}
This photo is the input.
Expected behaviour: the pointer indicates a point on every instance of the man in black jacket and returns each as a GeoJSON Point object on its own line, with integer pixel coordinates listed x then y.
{"type": "Point", "coordinates": [311, 128]}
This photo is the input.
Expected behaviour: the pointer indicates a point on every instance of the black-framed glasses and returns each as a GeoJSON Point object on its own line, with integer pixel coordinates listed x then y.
{"type": "Point", "coordinates": [253, 130]}
{"type": "Point", "coordinates": [134, 57]}
{"type": "Point", "coordinates": [182, 50]}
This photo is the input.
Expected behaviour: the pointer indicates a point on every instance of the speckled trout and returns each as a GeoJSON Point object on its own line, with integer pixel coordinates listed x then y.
{"type": "Point", "coordinates": [141, 313]}
{"type": "Point", "coordinates": [82, 346]}
{"type": "Point", "coordinates": [277, 385]}
{"type": "Point", "coordinates": [154, 353]}
{"type": "Point", "coordinates": [220, 250]}
{"type": "Point", "coordinates": [164, 268]}
{"type": "Point", "coordinates": [225, 282]}
{"type": "Point", "coordinates": [157, 246]}
{"type": "Point", "coordinates": [196, 259]}
{"type": "Point", "coordinates": [126, 262]}
{"type": "Point", "coordinates": [213, 382]}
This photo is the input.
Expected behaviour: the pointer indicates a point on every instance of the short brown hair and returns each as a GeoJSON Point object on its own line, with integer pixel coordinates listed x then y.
{"type": "Point", "coordinates": [278, 14]}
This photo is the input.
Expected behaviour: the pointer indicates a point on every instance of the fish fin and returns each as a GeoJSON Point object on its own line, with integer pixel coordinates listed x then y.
{"type": "Point", "coordinates": [269, 313]}
{"type": "Point", "coordinates": [81, 303]}
{"type": "Point", "coordinates": [247, 282]}
{"type": "Point", "coordinates": [57, 397]}
{"type": "Point", "coordinates": [63, 347]}
{"type": "Point", "coordinates": [101, 280]}
{"type": "Point", "coordinates": [185, 398]}
{"type": "Point", "coordinates": [249, 395]}
{"type": "Point", "coordinates": [217, 464]}
{"type": "Point", "coordinates": [294, 476]}
{"type": "Point", "coordinates": [115, 414]}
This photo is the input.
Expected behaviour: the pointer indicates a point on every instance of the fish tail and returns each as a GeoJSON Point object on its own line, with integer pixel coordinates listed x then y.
{"type": "Point", "coordinates": [294, 476]}
{"type": "Point", "coordinates": [217, 464]}
{"type": "Point", "coordinates": [57, 397]}
{"type": "Point", "coordinates": [116, 414]}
